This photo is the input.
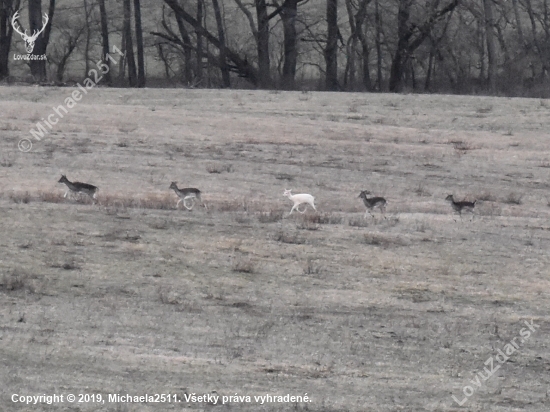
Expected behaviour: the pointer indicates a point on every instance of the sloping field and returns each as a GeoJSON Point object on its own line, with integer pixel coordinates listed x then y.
{"type": "Point", "coordinates": [131, 296]}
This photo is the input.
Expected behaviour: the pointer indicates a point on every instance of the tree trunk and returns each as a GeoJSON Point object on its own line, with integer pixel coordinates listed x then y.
{"type": "Point", "coordinates": [105, 40]}
{"type": "Point", "coordinates": [263, 44]}
{"type": "Point", "coordinates": [331, 50]}
{"type": "Point", "coordinates": [199, 52]}
{"type": "Point", "coordinates": [360, 19]}
{"type": "Point", "coordinates": [378, 41]}
{"type": "Point", "coordinates": [288, 17]}
{"type": "Point", "coordinates": [36, 23]}
{"type": "Point", "coordinates": [187, 51]}
{"type": "Point", "coordinates": [7, 8]}
{"type": "Point", "coordinates": [240, 65]}
{"type": "Point", "coordinates": [430, 65]}
{"type": "Point", "coordinates": [122, 59]}
{"type": "Point", "coordinates": [351, 49]}
{"type": "Point", "coordinates": [226, 79]}
{"type": "Point", "coordinates": [87, 13]}
{"type": "Point", "coordinates": [139, 44]}
{"type": "Point", "coordinates": [366, 68]}
{"type": "Point", "coordinates": [130, 60]}
{"type": "Point", "coordinates": [491, 50]}
{"type": "Point", "coordinates": [401, 54]}
{"type": "Point", "coordinates": [518, 23]}
{"type": "Point", "coordinates": [410, 37]}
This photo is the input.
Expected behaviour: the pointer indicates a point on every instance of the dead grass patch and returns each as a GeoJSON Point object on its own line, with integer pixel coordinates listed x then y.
{"type": "Point", "coordinates": [19, 280]}
{"type": "Point", "coordinates": [159, 224]}
{"type": "Point", "coordinates": [244, 265]}
{"type": "Point", "coordinates": [20, 197]}
{"type": "Point", "coordinates": [486, 196]}
{"type": "Point", "coordinates": [243, 218]}
{"type": "Point", "coordinates": [156, 201]}
{"type": "Point", "coordinates": [69, 265]}
{"type": "Point", "coordinates": [219, 168]}
{"type": "Point", "coordinates": [168, 296]}
{"type": "Point", "coordinates": [311, 267]}
{"type": "Point", "coordinates": [359, 222]}
{"type": "Point", "coordinates": [51, 197]}
{"type": "Point", "coordinates": [383, 240]}
{"type": "Point", "coordinates": [513, 198]}
{"type": "Point", "coordinates": [421, 190]}
{"type": "Point", "coordinates": [290, 238]}
{"type": "Point", "coordinates": [325, 218]}
{"type": "Point", "coordinates": [485, 109]}
{"type": "Point", "coordinates": [284, 176]}
{"type": "Point", "coordinates": [6, 161]}
{"type": "Point", "coordinates": [231, 206]}
{"type": "Point", "coordinates": [118, 203]}
{"type": "Point", "coordinates": [304, 223]}
{"type": "Point", "coordinates": [415, 295]}
{"type": "Point", "coordinates": [270, 217]}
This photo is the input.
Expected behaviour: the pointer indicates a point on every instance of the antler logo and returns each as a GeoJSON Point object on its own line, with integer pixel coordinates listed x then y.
{"type": "Point", "coordinates": [29, 40]}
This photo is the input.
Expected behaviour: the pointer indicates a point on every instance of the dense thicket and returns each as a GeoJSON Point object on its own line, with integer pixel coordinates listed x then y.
{"type": "Point", "coordinates": [459, 46]}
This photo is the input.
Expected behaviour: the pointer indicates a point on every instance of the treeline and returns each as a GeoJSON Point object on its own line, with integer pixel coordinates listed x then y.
{"type": "Point", "coordinates": [457, 46]}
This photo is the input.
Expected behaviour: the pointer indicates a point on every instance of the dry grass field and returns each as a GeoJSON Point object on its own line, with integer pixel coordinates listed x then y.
{"type": "Point", "coordinates": [131, 296]}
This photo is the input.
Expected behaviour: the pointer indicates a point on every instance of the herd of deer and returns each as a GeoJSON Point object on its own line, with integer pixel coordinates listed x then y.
{"type": "Point", "coordinates": [190, 194]}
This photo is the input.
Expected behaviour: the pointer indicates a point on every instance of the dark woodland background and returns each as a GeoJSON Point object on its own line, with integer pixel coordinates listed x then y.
{"type": "Point", "coordinates": [498, 47]}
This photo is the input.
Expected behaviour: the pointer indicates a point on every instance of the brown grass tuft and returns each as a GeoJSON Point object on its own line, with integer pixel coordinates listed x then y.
{"type": "Point", "coordinates": [383, 240]}
{"type": "Point", "coordinates": [20, 197]}
{"type": "Point", "coordinates": [51, 197]}
{"type": "Point", "coordinates": [270, 217]}
{"type": "Point", "coordinates": [244, 265]}
{"type": "Point", "coordinates": [514, 198]}
{"type": "Point", "coordinates": [359, 222]}
{"type": "Point", "coordinates": [219, 168]}
{"type": "Point", "coordinates": [486, 196]}
{"type": "Point", "coordinates": [18, 280]}
{"type": "Point", "coordinates": [284, 237]}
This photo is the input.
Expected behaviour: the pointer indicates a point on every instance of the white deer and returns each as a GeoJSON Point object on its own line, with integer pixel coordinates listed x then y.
{"type": "Point", "coordinates": [29, 40]}
{"type": "Point", "coordinates": [299, 199]}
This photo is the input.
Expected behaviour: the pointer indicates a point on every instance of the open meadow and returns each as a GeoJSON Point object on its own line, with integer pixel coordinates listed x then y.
{"type": "Point", "coordinates": [398, 313]}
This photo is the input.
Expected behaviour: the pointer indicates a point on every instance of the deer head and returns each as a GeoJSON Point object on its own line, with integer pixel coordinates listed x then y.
{"type": "Point", "coordinates": [29, 40]}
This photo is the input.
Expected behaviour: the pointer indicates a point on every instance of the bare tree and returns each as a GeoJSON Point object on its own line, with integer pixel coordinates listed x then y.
{"type": "Point", "coordinates": [238, 64]}
{"type": "Point", "coordinates": [7, 9]}
{"type": "Point", "coordinates": [378, 44]}
{"type": "Point", "coordinates": [357, 19]}
{"type": "Point", "coordinates": [411, 35]}
{"type": "Point", "coordinates": [331, 49]}
{"type": "Point", "coordinates": [263, 44]}
{"type": "Point", "coordinates": [199, 53]}
{"type": "Point", "coordinates": [69, 37]}
{"type": "Point", "coordinates": [289, 12]}
{"type": "Point", "coordinates": [139, 44]}
{"type": "Point", "coordinates": [105, 40]}
{"type": "Point", "coordinates": [127, 33]}
{"type": "Point", "coordinates": [36, 22]}
{"type": "Point", "coordinates": [491, 50]}
{"type": "Point", "coordinates": [226, 80]}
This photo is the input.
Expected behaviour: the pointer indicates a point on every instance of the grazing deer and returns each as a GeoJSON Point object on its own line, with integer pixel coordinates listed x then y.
{"type": "Point", "coordinates": [373, 202]}
{"type": "Point", "coordinates": [187, 193]}
{"type": "Point", "coordinates": [78, 187]}
{"type": "Point", "coordinates": [300, 199]}
{"type": "Point", "coordinates": [460, 206]}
